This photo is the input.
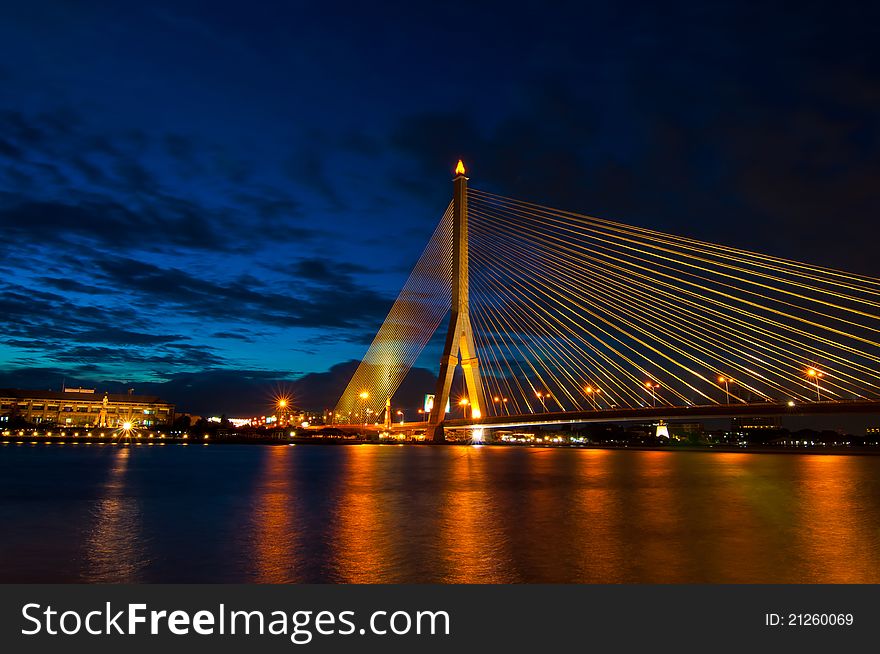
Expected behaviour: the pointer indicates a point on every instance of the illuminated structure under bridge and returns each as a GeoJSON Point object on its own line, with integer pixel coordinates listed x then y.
{"type": "Point", "coordinates": [557, 316]}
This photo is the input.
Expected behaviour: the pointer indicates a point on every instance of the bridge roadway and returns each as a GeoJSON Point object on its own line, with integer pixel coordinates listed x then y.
{"type": "Point", "coordinates": [696, 412]}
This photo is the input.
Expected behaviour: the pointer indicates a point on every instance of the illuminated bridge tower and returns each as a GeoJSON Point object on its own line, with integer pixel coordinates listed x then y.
{"type": "Point", "coordinates": [459, 337]}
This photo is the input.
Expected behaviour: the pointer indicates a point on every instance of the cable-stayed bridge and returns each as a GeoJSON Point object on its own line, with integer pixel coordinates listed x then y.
{"type": "Point", "coordinates": [555, 317]}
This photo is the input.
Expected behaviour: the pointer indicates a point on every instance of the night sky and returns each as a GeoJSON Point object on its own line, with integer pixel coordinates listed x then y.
{"type": "Point", "coordinates": [211, 200]}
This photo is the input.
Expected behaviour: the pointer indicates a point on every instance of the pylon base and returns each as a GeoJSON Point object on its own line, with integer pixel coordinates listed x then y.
{"type": "Point", "coordinates": [436, 434]}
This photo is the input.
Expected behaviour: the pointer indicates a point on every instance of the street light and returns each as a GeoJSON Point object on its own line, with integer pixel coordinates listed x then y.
{"type": "Point", "coordinates": [400, 413]}
{"type": "Point", "coordinates": [726, 381]}
{"type": "Point", "coordinates": [281, 405]}
{"type": "Point", "coordinates": [463, 403]}
{"type": "Point", "coordinates": [589, 390]}
{"type": "Point", "coordinates": [543, 397]}
{"type": "Point", "coordinates": [653, 388]}
{"type": "Point", "coordinates": [816, 375]}
{"type": "Point", "coordinates": [422, 413]}
{"type": "Point", "coordinates": [363, 395]}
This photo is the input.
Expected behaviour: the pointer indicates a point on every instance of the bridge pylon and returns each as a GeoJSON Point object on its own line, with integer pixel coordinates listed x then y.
{"type": "Point", "coordinates": [459, 336]}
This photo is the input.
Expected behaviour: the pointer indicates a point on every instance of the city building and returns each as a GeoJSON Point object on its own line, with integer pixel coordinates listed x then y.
{"type": "Point", "coordinates": [753, 424]}
{"type": "Point", "coordinates": [755, 428]}
{"type": "Point", "coordinates": [83, 407]}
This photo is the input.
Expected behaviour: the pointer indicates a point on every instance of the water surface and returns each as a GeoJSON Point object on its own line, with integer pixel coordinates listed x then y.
{"type": "Point", "coordinates": [388, 513]}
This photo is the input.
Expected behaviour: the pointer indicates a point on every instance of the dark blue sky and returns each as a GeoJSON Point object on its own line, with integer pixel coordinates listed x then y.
{"type": "Point", "coordinates": [206, 199]}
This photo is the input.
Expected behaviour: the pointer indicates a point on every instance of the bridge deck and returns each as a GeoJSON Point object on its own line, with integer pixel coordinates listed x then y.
{"type": "Point", "coordinates": [701, 412]}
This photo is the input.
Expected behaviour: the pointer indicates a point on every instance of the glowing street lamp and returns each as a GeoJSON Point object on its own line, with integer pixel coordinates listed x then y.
{"type": "Point", "coordinates": [816, 375]}
{"type": "Point", "coordinates": [543, 397]}
{"type": "Point", "coordinates": [423, 414]}
{"type": "Point", "coordinates": [502, 404]}
{"type": "Point", "coordinates": [589, 390]}
{"type": "Point", "coordinates": [363, 395]}
{"type": "Point", "coordinates": [400, 413]}
{"type": "Point", "coordinates": [651, 386]}
{"type": "Point", "coordinates": [282, 405]}
{"type": "Point", "coordinates": [463, 403]}
{"type": "Point", "coordinates": [124, 430]}
{"type": "Point", "coordinates": [726, 381]}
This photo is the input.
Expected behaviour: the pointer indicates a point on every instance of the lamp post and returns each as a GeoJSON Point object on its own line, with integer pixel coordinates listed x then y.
{"type": "Point", "coordinates": [282, 406]}
{"type": "Point", "coordinates": [400, 413]}
{"type": "Point", "coordinates": [463, 403]}
{"type": "Point", "coordinates": [726, 381]}
{"type": "Point", "coordinates": [543, 397]}
{"type": "Point", "coordinates": [363, 395]}
{"type": "Point", "coordinates": [589, 390]}
{"type": "Point", "coordinates": [651, 386]}
{"type": "Point", "coordinates": [816, 375]}
{"type": "Point", "coordinates": [502, 404]}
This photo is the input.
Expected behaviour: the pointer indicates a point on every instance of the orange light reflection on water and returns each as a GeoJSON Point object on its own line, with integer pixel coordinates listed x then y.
{"type": "Point", "coordinates": [361, 537]}
{"type": "Point", "coordinates": [274, 520]}
{"type": "Point", "coordinates": [471, 535]}
{"type": "Point", "coordinates": [839, 540]}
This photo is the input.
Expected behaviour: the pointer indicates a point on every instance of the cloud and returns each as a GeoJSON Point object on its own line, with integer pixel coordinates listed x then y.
{"type": "Point", "coordinates": [346, 305]}
{"type": "Point", "coordinates": [307, 169]}
{"type": "Point", "coordinates": [328, 273]}
{"type": "Point", "coordinates": [178, 355]}
{"type": "Point", "coordinates": [58, 329]}
{"type": "Point", "coordinates": [102, 186]}
{"type": "Point", "coordinates": [236, 336]}
{"type": "Point", "coordinates": [104, 223]}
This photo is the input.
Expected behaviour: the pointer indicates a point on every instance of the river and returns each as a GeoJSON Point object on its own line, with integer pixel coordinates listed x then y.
{"type": "Point", "coordinates": [413, 514]}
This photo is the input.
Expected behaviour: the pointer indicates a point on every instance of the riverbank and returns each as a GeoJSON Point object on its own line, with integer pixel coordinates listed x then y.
{"type": "Point", "coordinates": [337, 442]}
